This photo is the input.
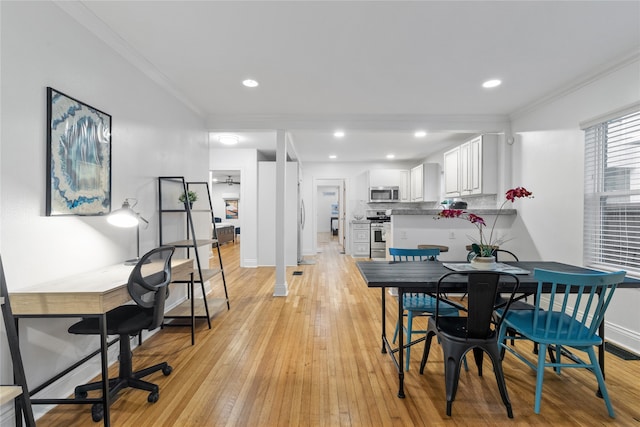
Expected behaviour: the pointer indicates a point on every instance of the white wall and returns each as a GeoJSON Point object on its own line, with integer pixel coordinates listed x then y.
{"type": "Point", "coordinates": [548, 158]}
{"type": "Point", "coordinates": [153, 134]}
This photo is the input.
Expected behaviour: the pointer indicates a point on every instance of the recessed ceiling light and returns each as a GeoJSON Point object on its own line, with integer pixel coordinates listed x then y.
{"type": "Point", "coordinates": [228, 139]}
{"type": "Point", "coordinates": [491, 83]}
{"type": "Point", "coordinates": [333, 156]}
{"type": "Point", "coordinates": [391, 156]}
{"type": "Point", "coordinates": [338, 134]}
{"type": "Point", "coordinates": [250, 83]}
{"type": "Point", "coordinates": [420, 134]}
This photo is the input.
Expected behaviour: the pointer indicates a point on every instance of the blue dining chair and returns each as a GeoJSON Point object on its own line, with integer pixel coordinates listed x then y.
{"type": "Point", "coordinates": [568, 316]}
{"type": "Point", "coordinates": [418, 303]}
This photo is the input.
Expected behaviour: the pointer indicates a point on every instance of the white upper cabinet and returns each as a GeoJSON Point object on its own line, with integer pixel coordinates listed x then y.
{"type": "Point", "coordinates": [405, 186]}
{"type": "Point", "coordinates": [471, 168]}
{"type": "Point", "coordinates": [425, 183]}
{"type": "Point", "coordinates": [452, 172]}
{"type": "Point", "coordinates": [385, 178]}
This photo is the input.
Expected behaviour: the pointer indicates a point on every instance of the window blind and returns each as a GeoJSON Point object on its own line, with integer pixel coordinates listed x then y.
{"type": "Point", "coordinates": [612, 194]}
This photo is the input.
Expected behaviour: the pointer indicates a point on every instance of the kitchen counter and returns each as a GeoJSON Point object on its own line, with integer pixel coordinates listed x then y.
{"type": "Point", "coordinates": [434, 212]}
{"type": "Point", "coordinates": [412, 227]}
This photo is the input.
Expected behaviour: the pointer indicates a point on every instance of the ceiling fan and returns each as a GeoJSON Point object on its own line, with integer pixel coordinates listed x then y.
{"type": "Point", "coordinates": [230, 181]}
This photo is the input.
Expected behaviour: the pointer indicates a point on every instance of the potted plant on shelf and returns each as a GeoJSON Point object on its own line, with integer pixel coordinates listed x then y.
{"type": "Point", "coordinates": [189, 196]}
{"type": "Point", "coordinates": [484, 247]}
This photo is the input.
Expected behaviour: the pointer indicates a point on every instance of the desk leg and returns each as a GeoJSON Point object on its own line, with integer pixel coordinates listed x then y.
{"type": "Point", "coordinates": [105, 369]}
{"type": "Point", "coordinates": [384, 333]}
{"type": "Point", "coordinates": [400, 344]}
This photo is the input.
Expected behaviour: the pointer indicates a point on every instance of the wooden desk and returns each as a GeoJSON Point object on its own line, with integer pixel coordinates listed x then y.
{"type": "Point", "coordinates": [423, 277]}
{"type": "Point", "coordinates": [90, 294]}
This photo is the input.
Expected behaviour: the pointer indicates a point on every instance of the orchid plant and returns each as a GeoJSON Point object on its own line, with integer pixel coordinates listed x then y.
{"type": "Point", "coordinates": [485, 246]}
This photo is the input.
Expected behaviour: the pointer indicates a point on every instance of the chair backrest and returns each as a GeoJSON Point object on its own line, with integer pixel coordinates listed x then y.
{"type": "Point", "coordinates": [578, 302]}
{"type": "Point", "coordinates": [482, 290]}
{"type": "Point", "coordinates": [148, 282]}
{"type": "Point", "coordinates": [402, 254]}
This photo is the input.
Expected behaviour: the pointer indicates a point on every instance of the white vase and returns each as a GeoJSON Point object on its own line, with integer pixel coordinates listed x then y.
{"type": "Point", "coordinates": [484, 262]}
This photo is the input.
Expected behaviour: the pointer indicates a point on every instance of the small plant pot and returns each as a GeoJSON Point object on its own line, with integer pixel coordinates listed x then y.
{"type": "Point", "coordinates": [484, 262]}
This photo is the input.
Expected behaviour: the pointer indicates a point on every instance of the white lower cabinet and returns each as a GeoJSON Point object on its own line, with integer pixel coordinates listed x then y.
{"type": "Point", "coordinates": [360, 239]}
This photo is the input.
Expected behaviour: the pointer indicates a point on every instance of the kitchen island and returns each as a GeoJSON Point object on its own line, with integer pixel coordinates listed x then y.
{"type": "Point", "coordinates": [412, 227]}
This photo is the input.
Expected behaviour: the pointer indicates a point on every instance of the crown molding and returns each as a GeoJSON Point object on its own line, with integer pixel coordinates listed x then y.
{"type": "Point", "coordinates": [580, 82]}
{"type": "Point", "coordinates": [85, 17]}
{"type": "Point", "coordinates": [361, 122]}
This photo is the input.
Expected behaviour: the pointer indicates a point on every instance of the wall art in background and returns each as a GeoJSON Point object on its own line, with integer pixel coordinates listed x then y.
{"type": "Point", "coordinates": [231, 209]}
{"type": "Point", "coordinates": [78, 157]}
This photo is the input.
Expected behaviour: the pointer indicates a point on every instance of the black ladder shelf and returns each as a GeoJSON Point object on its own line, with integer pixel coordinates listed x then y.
{"type": "Point", "coordinates": [169, 189]}
{"type": "Point", "coordinates": [18, 392]}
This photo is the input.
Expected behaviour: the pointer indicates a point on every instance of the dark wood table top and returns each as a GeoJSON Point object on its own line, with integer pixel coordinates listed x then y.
{"type": "Point", "coordinates": [425, 275]}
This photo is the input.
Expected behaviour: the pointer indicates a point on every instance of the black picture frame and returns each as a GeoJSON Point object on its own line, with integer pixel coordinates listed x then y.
{"type": "Point", "coordinates": [78, 157]}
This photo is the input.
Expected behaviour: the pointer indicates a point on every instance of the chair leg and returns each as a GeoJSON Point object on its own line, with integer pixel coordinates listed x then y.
{"type": "Point", "coordinates": [395, 334]}
{"type": "Point", "coordinates": [478, 356]}
{"type": "Point", "coordinates": [409, 336]}
{"type": "Point", "coordinates": [595, 365]}
{"type": "Point", "coordinates": [425, 354]}
{"type": "Point", "coordinates": [451, 377]}
{"type": "Point", "coordinates": [539, 377]}
{"type": "Point", "coordinates": [496, 360]}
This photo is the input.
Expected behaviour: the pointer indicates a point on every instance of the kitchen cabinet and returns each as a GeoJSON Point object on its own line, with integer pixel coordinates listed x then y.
{"type": "Point", "coordinates": [360, 239]}
{"type": "Point", "coordinates": [425, 182]}
{"type": "Point", "coordinates": [405, 186]}
{"type": "Point", "coordinates": [471, 168]}
{"type": "Point", "coordinates": [452, 172]}
{"type": "Point", "coordinates": [385, 177]}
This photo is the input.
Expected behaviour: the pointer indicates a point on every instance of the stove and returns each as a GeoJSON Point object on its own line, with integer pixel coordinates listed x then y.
{"type": "Point", "coordinates": [377, 216]}
{"type": "Point", "coordinates": [378, 241]}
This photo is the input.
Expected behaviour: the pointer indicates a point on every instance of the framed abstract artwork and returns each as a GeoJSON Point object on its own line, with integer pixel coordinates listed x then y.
{"type": "Point", "coordinates": [231, 209]}
{"type": "Point", "coordinates": [78, 157]}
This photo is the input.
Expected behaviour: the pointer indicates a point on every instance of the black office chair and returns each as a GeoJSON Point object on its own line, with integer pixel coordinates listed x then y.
{"type": "Point", "coordinates": [148, 287]}
{"type": "Point", "coordinates": [477, 331]}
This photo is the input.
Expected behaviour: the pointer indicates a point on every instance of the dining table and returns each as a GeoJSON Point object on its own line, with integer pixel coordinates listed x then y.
{"type": "Point", "coordinates": [424, 276]}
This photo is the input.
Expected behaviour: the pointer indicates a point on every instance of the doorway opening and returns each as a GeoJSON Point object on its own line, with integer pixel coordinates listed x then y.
{"type": "Point", "coordinates": [329, 215]}
{"type": "Point", "coordinates": [225, 186]}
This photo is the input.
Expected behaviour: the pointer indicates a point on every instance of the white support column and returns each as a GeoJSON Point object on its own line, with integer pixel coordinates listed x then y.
{"type": "Point", "coordinates": [281, 288]}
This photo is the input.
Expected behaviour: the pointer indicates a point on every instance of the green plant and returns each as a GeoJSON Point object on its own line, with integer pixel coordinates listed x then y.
{"type": "Point", "coordinates": [192, 196]}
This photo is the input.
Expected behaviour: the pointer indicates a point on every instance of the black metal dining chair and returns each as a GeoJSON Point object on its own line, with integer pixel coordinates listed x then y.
{"type": "Point", "coordinates": [477, 331]}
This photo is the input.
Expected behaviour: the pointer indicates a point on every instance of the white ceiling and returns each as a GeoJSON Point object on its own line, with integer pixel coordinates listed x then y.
{"type": "Point", "coordinates": [378, 70]}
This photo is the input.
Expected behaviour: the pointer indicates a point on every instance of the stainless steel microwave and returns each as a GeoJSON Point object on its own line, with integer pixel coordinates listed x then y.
{"type": "Point", "coordinates": [384, 194]}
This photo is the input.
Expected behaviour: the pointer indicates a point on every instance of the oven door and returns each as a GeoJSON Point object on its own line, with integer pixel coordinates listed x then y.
{"type": "Point", "coordinates": [378, 243]}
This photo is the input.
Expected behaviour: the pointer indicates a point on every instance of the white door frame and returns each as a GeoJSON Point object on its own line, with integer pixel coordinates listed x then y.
{"type": "Point", "coordinates": [335, 182]}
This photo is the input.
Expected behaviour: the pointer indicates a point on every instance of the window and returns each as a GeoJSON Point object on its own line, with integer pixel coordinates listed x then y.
{"type": "Point", "coordinates": [612, 193]}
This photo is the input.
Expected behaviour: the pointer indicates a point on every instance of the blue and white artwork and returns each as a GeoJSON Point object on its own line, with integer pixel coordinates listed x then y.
{"type": "Point", "coordinates": [78, 157]}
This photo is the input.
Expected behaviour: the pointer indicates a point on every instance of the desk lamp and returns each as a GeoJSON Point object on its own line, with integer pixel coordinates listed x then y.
{"type": "Point", "coordinates": [126, 217]}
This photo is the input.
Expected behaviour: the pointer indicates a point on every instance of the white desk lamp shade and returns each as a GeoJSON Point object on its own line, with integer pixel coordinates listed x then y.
{"type": "Point", "coordinates": [123, 217]}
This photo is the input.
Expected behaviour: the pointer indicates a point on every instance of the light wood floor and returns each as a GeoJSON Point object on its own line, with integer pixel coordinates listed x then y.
{"type": "Point", "coordinates": [313, 359]}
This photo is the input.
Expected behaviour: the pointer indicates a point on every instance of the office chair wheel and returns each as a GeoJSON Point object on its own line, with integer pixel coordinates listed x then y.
{"type": "Point", "coordinates": [80, 394]}
{"type": "Point", "coordinates": [153, 397]}
{"type": "Point", "coordinates": [97, 412]}
{"type": "Point", "coordinates": [167, 370]}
